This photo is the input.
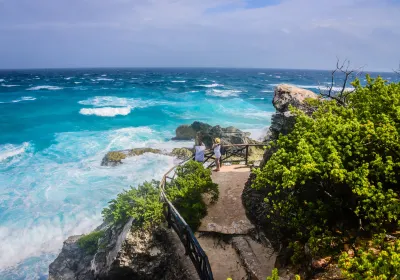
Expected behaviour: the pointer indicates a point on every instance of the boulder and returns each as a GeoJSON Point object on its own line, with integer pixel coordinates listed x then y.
{"type": "Point", "coordinates": [288, 95]}
{"type": "Point", "coordinates": [182, 153]}
{"type": "Point", "coordinates": [206, 132]}
{"type": "Point", "coordinates": [115, 158]}
{"type": "Point", "coordinates": [283, 120]}
{"type": "Point", "coordinates": [184, 132]}
{"type": "Point", "coordinates": [125, 252]}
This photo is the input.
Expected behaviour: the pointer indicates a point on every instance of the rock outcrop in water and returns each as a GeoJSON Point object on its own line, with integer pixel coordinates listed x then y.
{"type": "Point", "coordinates": [206, 132]}
{"type": "Point", "coordinates": [124, 253]}
{"type": "Point", "coordinates": [115, 158]}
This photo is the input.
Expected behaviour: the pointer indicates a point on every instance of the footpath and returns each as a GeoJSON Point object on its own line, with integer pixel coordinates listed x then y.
{"type": "Point", "coordinates": [228, 238]}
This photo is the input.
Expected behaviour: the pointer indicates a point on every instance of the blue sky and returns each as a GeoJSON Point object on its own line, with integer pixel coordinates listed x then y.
{"type": "Point", "coordinates": [205, 33]}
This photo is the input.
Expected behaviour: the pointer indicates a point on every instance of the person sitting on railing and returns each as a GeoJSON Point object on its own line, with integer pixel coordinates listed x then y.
{"type": "Point", "coordinates": [199, 151]}
{"type": "Point", "coordinates": [217, 153]}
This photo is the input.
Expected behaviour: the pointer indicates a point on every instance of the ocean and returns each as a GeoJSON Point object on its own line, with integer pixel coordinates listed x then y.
{"type": "Point", "coordinates": [56, 126]}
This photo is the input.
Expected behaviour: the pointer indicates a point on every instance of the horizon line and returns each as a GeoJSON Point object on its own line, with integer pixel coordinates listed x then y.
{"type": "Point", "coordinates": [178, 67]}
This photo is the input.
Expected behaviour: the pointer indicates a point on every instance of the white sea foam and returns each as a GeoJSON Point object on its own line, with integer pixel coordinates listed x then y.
{"type": "Point", "coordinates": [68, 78]}
{"type": "Point", "coordinates": [211, 85]}
{"type": "Point", "coordinates": [267, 90]}
{"type": "Point", "coordinates": [223, 93]}
{"type": "Point", "coordinates": [114, 101]}
{"type": "Point", "coordinates": [106, 111]}
{"type": "Point", "coordinates": [45, 87]}
{"type": "Point", "coordinates": [104, 79]}
{"type": "Point", "coordinates": [178, 81]}
{"type": "Point", "coordinates": [257, 133]}
{"type": "Point", "coordinates": [3, 85]}
{"type": "Point", "coordinates": [277, 76]}
{"type": "Point", "coordinates": [24, 98]}
{"type": "Point", "coordinates": [10, 150]}
{"type": "Point", "coordinates": [261, 73]}
{"type": "Point", "coordinates": [78, 83]}
{"type": "Point", "coordinates": [1, 80]}
{"type": "Point", "coordinates": [104, 75]}
{"type": "Point", "coordinates": [52, 198]}
{"type": "Point", "coordinates": [319, 87]}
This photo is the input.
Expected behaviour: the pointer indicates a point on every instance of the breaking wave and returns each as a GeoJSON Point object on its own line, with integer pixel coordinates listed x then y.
{"type": "Point", "coordinates": [106, 111]}
{"type": "Point", "coordinates": [45, 87]}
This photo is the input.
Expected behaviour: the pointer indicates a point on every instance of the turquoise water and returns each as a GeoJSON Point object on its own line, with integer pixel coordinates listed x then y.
{"type": "Point", "coordinates": [56, 125]}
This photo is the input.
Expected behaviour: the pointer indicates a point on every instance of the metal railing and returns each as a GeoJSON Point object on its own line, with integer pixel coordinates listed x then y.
{"type": "Point", "coordinates": [236, 153]}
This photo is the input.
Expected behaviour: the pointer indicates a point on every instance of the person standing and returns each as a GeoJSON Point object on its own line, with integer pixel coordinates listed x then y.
{"type": "Point", "coordinates": [217, 153]}
{"type": "Point", "coordinates": [199, 151]}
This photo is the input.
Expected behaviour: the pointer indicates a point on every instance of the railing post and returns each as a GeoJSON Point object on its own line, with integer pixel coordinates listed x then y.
{"type": "Point", "coordinates": [247, 154]}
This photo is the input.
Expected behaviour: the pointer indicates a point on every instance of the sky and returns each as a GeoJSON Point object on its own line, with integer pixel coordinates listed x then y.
{"type": "Point", "coordinates": [302, 34]}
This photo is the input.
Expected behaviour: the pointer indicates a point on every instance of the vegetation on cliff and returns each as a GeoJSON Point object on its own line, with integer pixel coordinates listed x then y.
{"type": "Point", "coordinates": [185, 191]}
{"type": "Point", "coordinates": [334, 181]}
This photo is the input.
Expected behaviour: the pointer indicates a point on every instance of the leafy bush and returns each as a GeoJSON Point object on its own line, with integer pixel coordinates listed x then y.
{"type": "Point", "coordinates": [89, 242]}
{"type": "Point", "coordinates": [186, 191]}
{"type": "Point", "coordinates": [274, 276]}
{"type": "Point", "coordinates": [379, 259]}
{"type": "Point", "coordinates": [143, 203]}
{"type": "Point", "coordinates": [336, 175]}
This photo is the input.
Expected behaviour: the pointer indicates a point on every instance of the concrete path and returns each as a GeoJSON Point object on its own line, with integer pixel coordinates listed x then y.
{"type": "Point", "coordinates": [228, 215]}
{"type": "Point", "coordinates": [224, 232]}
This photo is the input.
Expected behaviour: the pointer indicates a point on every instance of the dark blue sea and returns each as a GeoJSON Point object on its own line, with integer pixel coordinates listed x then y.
{"type": "Point", "coordinates": [56, 125]}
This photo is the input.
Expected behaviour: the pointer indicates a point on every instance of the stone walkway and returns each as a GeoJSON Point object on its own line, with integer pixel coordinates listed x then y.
{"type": "Point", "coordinates": [224, 232]}
{"type": "Point", "coordinates": [228, 215]}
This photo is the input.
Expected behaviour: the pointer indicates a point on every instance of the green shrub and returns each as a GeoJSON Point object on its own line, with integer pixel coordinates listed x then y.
{"type": "Point", "coordinates": [89, 242]}
{"type": "Point", "coordinates": [336, 175]}
{"type": "Point", "coordinates": [379, 260]}
{"type": "Point", "coordinates": [143, 203]}
{"type": "Point", "coordinates": [193, 180]}
{"type": "Point", "coordinates": [274, 275]}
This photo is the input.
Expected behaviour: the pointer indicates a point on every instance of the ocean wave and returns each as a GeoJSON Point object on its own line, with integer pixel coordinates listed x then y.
{"type": "Point", "coordinates": [1, 80]}
{"type": "Point", "coordinates": [45, 87]}
{"type": "Point", "coordinates": [3, 85]}
{"type": "Point", "coordinates": [114, 101]}
{"type": "Point", "coordinates": [257, 133]}
{"type": "Point", "coordinates": [178, 81]}
{"type": "Point", "coordinates": [78, 83]}
{"type": "Point", "coordinates": [211, 85]}
{"type": "Point", "coordinates": [223, 93]}
{"type": "Point", "coordinates": [24, 98]}
{"type": "Point", "coordinates": [10, 150]}
{"type": "Point", "coordinates": [267, 90]}
{"type": "Point", "coordinates": [69, 78]}
{"type": "Point", "coordinates": [319, 87]}
{"type": "Point", "coordinates": [104, 79]}
{"type": "Point", "coordinates": [106, 111]}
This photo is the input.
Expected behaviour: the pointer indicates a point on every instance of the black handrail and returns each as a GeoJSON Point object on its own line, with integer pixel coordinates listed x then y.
{"type": "Point", "coordinates": [175, 220]}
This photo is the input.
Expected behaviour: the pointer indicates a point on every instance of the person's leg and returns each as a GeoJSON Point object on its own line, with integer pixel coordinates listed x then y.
{"type": "Point", "coordinates": [217, 164]}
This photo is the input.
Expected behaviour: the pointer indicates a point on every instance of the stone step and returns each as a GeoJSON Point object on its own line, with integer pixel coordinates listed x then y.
{"type": "Point", "coordinates": [257, 259]}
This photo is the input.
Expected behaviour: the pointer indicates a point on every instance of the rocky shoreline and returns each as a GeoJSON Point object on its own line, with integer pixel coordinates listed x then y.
{"type": "Point", "coordinates": [125, 252]}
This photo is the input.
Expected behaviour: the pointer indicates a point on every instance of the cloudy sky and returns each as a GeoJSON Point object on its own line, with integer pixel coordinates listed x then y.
{"type": "Point", "coordinates": [206, 33]}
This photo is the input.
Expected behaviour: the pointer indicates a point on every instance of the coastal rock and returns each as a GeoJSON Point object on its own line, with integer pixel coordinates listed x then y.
{"type": "Point", "coordinates": [185, 132]}
{"type": "Point", "coordinates": [286, 95]}
{"type": "Point", "coordinates": [206, 132]}
{"type": "Point", "coordinates": [182, 153]}
{"type": "Point", "coordinates": [282, 121]}
{"type": "Point", "coordinates": [125, 253]}
{"type": "Point", "coordinates": [115, 158]}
